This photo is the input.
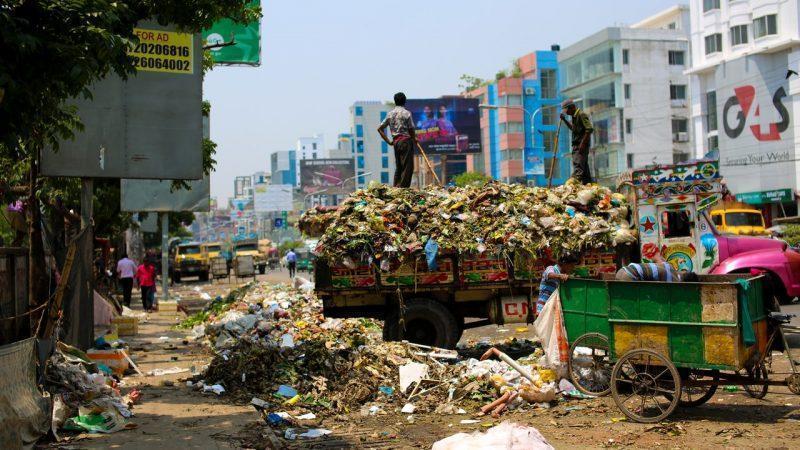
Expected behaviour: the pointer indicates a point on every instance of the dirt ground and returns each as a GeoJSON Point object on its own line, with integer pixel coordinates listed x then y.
{"type": "Point", "coordinates": [171, 415]}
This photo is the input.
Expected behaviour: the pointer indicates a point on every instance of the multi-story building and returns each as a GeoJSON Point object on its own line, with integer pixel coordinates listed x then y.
{"type": "Point", "coordinates": [509, 138]}
{"type": "Point", "coordinates": [284, 167]}
{"type": "Point", "coordinates": [309, 148]}
{"type": "Point", "coordinates": [243, 186]}
{"type": "Point", "coordinates": [743, 100]}
{"type": "Point", "coordinates": [344, 146]}
{"type": "Point", "coordinates": [373, 158]}
{"type": "Point", "coordinates": [631, 81]}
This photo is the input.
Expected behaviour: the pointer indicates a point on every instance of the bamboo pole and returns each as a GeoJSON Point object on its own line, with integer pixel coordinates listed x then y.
{"type": "Point", "coordinates": [555, 155]}
{"type": "Point", "coordinates": [428, 162]}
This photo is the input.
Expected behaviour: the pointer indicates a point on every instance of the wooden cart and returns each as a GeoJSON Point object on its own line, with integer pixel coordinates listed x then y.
{"type": "Point", "coordinates": [672, 344]}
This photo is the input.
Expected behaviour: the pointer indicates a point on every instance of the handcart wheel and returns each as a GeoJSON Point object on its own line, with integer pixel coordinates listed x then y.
{"type": "Point", "coordinates": [589, 364]}
{"type": "Point", "coordinates": [692, 396]}
{"type": "Point", "coordinates": [760, 377]}
{"type": "Point", "coordinates": [645, 386]}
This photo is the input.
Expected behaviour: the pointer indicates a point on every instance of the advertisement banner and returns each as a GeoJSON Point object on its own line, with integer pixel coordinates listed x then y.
{"type": "Point", "coordinates": [243, 41]}
{"type": "Point", "coordinates": [534, 164]}
{"type": "Point", "coordinates": [272, 197]}
{"type": "Point", "coordinates": [447, 125]}
{"type": "Point", "coordinates": [333, 176]}
{"type": "Point", "coordinates": [754, 122]}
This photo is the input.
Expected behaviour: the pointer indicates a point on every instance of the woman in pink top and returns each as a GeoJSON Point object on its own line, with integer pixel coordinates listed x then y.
{"type": "Point", "coordinates": [146, 277]}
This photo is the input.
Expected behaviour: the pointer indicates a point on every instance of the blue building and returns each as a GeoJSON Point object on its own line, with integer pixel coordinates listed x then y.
{"type": "Point", "coordinates": [283, 167]}
{"type": "Point", "coordinates": [513, 149]}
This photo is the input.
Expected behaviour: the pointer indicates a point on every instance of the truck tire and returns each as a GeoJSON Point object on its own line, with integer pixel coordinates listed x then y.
{"type": "Point", "coordinates": [262, 270]}
{"type": "Point", "coordinates": [176, 277]}
{"type": "Point", "coordinates": [427, 322]}
{"type": "Point", "coordinates": [203, 276]}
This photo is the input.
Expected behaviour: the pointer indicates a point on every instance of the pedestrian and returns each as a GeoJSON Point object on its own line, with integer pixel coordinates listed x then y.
{"type": "Point", "coordinates": [404, 140]}
{"type": "Point", "coordinates": [291, 262]}
{"type": "Point", "coordinates": [146, 277]}
{"type": "Point", "coordinates": [126, 269]}
{"type": "Point", "coordinates": [582, 129]}
{"type": "Point", "coordinates": [551, 279]}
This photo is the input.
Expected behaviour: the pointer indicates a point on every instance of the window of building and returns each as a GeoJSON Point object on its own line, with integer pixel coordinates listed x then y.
{"type": "Point", "coordinates": [314, 155]}
{"type": "Point", "coordinates": [385, 177]}
{"type": "Point", "coordinates": [629, 158]}
{"type": "Point", "coordinates": [384, 147]}
{"type": "Point", "coordinates": [627, 89]}
{"type": "Point", "coordinates": [713, 43]}
{"type": "Point", "coordinates": [384, 162]}
{"type": "Point", "coordinates": [676, 57]}
{"type": "Point", "coordinates": [672, 26]}
{"type": "Point", "coordinates": [765, 25]}
{"type": "Point", "coordinates": [511, 155]}
{"type": "Point", "coordinates": [360, 160]}
{"type": "Point", "coordinates": [359, 111]}
{"type": "Point", "coordinates": [713, 143]}
{"type": "Point", "coordinates": [548, 140]}
{"type": "Point", "coordinates": [602, 96]}
{"type": "Point", "coordinates": [313, 146]}
{"type": "Point", "coordinates": [678, 158]}
{"type": "Point", "coordinates": [509, 100]}
{"type": "Point", "coordinates": [549, 115]}
{"type": "Point", "coordinates": [360, 146]}
{"type": "Point", "coordinates": [625, 56]}
{"type": "Point", "coordinates": [709, 5]}
{"type": "Point", "coordinates": [514, 127]}
{"type": "Point", "coordinates": [548, 81]}
{"type": "Point", "coordinates": [738, 35]}
{"type": "Point", "coordinates": [677, 92]}
{"type": "Point", "coordinates": [628, 126]}
{"type": "Point", "coordinates": [680, 127]}
{"type": "Point", "coordinates": [550, 168]}
{"type": "Point", "coordinates": [359, 130]}
{"type": "Point", "coordinates": [711, 110]}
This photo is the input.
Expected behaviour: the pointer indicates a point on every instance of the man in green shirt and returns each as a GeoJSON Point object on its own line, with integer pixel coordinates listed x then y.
{"type": "Point", "coordinates": [582, 129]}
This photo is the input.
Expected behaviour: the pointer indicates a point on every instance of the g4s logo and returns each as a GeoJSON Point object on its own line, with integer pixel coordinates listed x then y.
{"type": "Point", "coordinates": [743, 99]}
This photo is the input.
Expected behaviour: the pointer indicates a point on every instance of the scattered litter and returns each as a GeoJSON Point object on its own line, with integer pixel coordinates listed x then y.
{"type": "Point", "coordinates": [306, 416]}
{"type": "Point", "coordinates": [507, 435]}
{"type": "Point", "coordinates": [469, 421]}
{"type": "Point", "coordinates": [386, 390]}
{"type": "Point", "coordinates": [412, 373]}
{"type": "Point", "coordinates": [160, 372]}
{"type": "Point", "coordinates": [259, 403]}
{"type": "Point", "coordinates": [293, 433]}
{"type": "Point", "coordinates": [286, 391]}
{"type": "Point", "coordinates": [215, 388]}
{"type": "Point", "coordinates": [408, 408]}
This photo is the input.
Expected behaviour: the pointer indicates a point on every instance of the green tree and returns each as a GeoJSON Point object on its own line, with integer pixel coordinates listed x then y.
{"type": "Point", "coordinates": [471, 178]}
{"type": "Point", "coordinates": [469, 83]}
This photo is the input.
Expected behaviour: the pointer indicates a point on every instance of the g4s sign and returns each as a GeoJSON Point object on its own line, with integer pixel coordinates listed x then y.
{"type": "Point", "coordinates": [742, 102]}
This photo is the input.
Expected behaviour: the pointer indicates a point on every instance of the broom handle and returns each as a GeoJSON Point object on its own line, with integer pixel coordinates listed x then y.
{"type": "Point", "coordinates": [428, 162]}
{"type": "Point", "coordinates": [555, 155]}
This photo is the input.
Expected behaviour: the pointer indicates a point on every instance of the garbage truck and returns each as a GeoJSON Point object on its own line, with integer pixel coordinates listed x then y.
{"type": "Point", "coordinates": [670, 206]}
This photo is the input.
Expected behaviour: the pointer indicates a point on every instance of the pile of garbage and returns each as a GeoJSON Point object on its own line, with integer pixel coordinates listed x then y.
{"type": "Point", "coordinates": [385, 224]}
{"type": "Point", "coordinates": [274, 347]}
{"type": "Point", "coordinates": [86, 396]}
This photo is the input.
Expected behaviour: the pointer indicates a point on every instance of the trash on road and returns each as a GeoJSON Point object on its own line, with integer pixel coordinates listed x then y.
{"type": "Point", "coordinates": [507, 435]}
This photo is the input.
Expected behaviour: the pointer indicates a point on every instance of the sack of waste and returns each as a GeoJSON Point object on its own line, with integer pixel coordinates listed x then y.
{"type": "Point", "coordinates": [507, 435]}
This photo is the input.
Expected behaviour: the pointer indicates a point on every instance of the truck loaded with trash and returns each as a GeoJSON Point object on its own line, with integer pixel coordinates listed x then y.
{"type": "Point", "coordinates": [446, 254]}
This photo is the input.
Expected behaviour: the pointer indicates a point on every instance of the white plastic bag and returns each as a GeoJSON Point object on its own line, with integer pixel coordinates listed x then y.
{"type": "Point", "coordinates": [507, 435]}
{"type": "Point", "coordinates": [549, 328]}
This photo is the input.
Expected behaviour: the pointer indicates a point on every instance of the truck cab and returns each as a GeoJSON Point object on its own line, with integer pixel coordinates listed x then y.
{"type": "Point", "coordinates": [191, 259]}
{"type": "Point", "coordinates": [741, 220]}
{"type": "Point", "coordinates": [673, 210]}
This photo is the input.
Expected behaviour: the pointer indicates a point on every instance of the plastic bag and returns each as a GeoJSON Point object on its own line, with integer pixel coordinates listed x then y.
{"type": "Point", "coordinates": [431, 250]}
{"type": "Point", "coordinates": [507, 435]}
{"type": "Point", "coordinates": [549, 328]}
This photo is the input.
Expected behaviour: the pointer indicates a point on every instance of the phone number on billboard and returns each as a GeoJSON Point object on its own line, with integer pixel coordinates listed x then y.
{"type": "Point", "coordinates": [162, 49]}
{"type": "Point", "coordinates": [159, 63]}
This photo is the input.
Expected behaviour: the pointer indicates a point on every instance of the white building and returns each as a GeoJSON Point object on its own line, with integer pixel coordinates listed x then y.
{"type": "Point", "coordinates": [743, 97]}
{"type": "Point", "coordinates": [374, 159]}
{"type": "Point", "coordinates": [631, 81]}
{"type": "Point", "coordinates": [309, 148]}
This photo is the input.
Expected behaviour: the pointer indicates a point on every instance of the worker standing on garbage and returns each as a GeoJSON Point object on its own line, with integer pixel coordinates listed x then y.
{"type": "Point", "coordinates": [551, 279]}
{"type": "Point", "coordinates": [582, 129]}
{"type": "Point", "coordinates": [404, 140]}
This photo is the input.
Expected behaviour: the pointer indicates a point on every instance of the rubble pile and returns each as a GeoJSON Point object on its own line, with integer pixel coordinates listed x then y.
{"type": "Point", "coordinates": [86, 396]}
{"type": "Point", "coordinates": [383, 223]}
{"type": "Point", "coordinates": [274, 346]}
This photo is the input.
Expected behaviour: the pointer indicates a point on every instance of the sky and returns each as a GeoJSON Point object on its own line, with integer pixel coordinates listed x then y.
{"type": "Point", "coordinates": [320, 56]}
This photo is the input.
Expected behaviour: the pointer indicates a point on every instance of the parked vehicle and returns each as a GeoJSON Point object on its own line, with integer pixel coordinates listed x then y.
{"type": "Point", "coordinates": [191, 259]}
{"type": "Point", "coordinates": [669, 206]}
{"type": "Point", "coordinates": [739, 219]}
{"type": "Point", "coordinates": [251, 247]}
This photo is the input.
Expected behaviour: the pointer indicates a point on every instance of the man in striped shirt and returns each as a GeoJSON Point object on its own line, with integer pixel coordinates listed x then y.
{"type": "Point", "coordinates": [551, 279]}
{"type": "Point", "coordinates": [660, 270]}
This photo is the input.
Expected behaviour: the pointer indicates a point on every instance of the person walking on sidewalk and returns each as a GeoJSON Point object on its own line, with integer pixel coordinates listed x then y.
{"type": "Point", "coordinates": [146, 277]}
{"type": "Point", "coordinates": [404, 140]}
{"type": "Point", "coordinates": [582, 129]}
{"type": "Point", "coordinates": [126, 269]}
{"type": "Point", "coordinates": [291, 262]}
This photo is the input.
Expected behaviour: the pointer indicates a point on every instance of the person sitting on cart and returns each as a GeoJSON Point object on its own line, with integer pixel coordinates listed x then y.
{"type": "Point", "coordinates": [658, 270]}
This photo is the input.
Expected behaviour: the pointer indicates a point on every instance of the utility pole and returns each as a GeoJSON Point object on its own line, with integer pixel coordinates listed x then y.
{"type": "Point", "coordinates": [164, 256]}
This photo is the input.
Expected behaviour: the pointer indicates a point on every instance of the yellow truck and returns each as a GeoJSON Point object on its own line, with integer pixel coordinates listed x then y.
{"type": "Point", "coordinates": [251, 247]}
{"type": "Point", "coordinates": [191, 259]}
{"type": "Point", "coordinates": [740, 219]}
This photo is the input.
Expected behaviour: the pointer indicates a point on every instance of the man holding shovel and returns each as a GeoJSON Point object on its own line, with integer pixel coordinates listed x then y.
{"type": "Point", "coordinates": [404, 140]}
{"type": "Point", "coordinates": [582, 129]}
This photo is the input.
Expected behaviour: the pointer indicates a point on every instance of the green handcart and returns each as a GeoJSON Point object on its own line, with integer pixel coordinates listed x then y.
{"type": "Point", "coordinates": [672, 344]}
